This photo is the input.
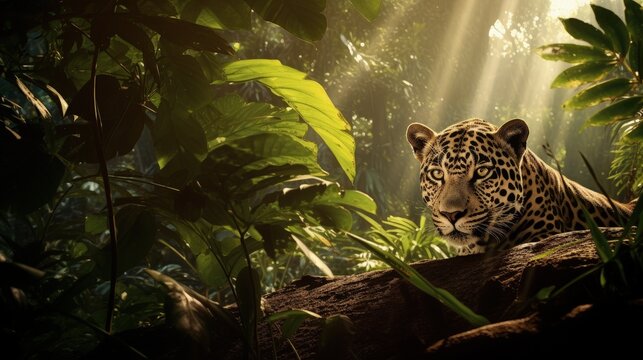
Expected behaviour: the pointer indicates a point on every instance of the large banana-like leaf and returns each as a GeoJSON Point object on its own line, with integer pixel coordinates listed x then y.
{"type": "Point", "coordinates": [307, 98]}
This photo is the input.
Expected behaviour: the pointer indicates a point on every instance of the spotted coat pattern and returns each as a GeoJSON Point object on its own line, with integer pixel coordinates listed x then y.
{"type": "Point", "coordinates": [486, 190]}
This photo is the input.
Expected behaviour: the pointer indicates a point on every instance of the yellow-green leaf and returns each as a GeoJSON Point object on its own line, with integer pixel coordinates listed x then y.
{"type": "Point", "coordinates": [419, 281]}
{"type": "Point", "coordinates": [368, 8]}
{"type": "Point", "coordinates": [623, 110]}
{"type": "Point", "coordinates": [307, 98]}
{"type": "Point", "coordinates": [586, 32]}
{"type": "Point", "coordinates": [580, 74]}
{"type": "Point", "coordinates": [571, 53]}
{"type": "Point", "coordinates": [596, 94]}
{"type": "Point", "coordinates": [614, 28]}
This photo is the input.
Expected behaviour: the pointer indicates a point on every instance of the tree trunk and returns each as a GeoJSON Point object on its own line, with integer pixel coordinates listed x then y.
{"type": "Point", "coordinates": [394, 320]}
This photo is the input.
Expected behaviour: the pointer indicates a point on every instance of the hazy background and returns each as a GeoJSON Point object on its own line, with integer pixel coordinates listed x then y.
{"type": "Point", "coordinates": [439, 62]}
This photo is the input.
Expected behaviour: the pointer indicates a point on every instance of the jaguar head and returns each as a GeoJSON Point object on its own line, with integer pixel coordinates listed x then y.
{"type": "Point", "coordinates": [471, 180]}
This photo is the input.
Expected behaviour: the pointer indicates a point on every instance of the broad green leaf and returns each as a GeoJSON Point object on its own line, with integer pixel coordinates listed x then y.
{"type": "Point", "coordinates": [415, 278]}
{"type": "Point", "coordinates": [219, 14]}
{"type": "Point", "coordinates": [319, 263]}
{"type": "Point", "coordinates": [614, 28]}
{"type": "Point", "coordinates": [179, 137]}
{"type": "Point", "coordinates": [255, 162]}
{"type": "Point", "coordinates": [622, 110]}
{"type": "Point", "coordinates": [368, 8]}
{"type": "Point", "coordinates": [636, 133]}
{"type": "Point", "coordinates": [596, 94]}
{"type": "Point", "coordinates": [189, 233]}
{"type": "Point", "coordinates": [334, 216]}
{"type": "Point", "coordinates": [95, 224]}
{"type": "Point", "coordinates": [187, 34]}
{"type": "Point", "coordinates": [338, 332]}
{"type": "Point", "coordinates": [210, 271]}
{"type": "Point", "coordinates": [121, 116]}
{"type": "Point", "coordinates": [275, 238]}
{"type": "Point", "coordinates": [185, 85]}
{"type": "Point", "coordinates": [230, 118]}
{"type": "Point", "coordinates": [326, 193]}
{"type": "Point", "coordinates": [233, 14]}
{"type": "Point", "coordinates": [634, 19]}
{"type": "Point", "coordinates": [583, 31]}
{"type": "Point", "coordinates": [136, 229]}
{"type": "Point", "coordinates": [308, 98]}
{"type": "Point", "coordinates": [583, 73]}
{"type": "Point", "coordinates": [304, 19]}
{"type": "Point", "coordinates": [571, 53]}
{"type": "Point", "coordinates": [292, 320]}
{"type": "Point", "coordinates": [134, 35]}
{"type": "Point", "coordinates": [600, 241]}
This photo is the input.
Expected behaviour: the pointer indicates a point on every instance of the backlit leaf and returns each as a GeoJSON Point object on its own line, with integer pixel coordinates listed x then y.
{"type": "Point", "coordinates": [571, 53]}
{"type": "Point", "coordinates": [319, 263]}
{"type": "Point", "coordinates": [368, 8]}
{"type": "Point", "coordinates": [583, 31]}
{"type": "Point", "coordinates": [134, 35]}
{"type": "Point", "coordinates": [304, 19]}
{"type": "Point", "coordinates": [308, 98]}
{"type": "Point", "coordinates": [581, 74]}
{"type": "Point", "coordinates": [33, 100]}
{"type": "Point", "coordinates": [614, 28]}
{"type": "Point", "coordinates": [419, 281]}
{"type": "Point", "coordinates": [636, 134]}
{"type": "Point", "coordinates": [622, 110]}
{"type": "Point", "coordinates": [598, 93]}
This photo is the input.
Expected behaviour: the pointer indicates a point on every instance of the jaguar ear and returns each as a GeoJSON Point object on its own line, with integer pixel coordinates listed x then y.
{"type": "Point", "coordinates": [419, 136]}
{"type": "Point", "coordinates": [514, 133]}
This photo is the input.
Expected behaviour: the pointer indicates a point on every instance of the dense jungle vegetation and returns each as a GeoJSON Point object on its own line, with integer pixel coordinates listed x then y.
{"type": "Point", "coordinates": [162, 159]}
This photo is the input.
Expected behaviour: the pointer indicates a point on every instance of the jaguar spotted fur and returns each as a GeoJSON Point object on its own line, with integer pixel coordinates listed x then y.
{"type": "Point", "coordinates": [486, 189]}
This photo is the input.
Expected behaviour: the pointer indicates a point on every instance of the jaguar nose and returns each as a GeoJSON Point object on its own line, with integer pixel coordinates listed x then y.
{"type": "Point", "coordinates": [454, 216]}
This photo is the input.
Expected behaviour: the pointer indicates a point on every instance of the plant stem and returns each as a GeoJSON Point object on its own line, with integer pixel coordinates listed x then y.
{"type": "Point", "coordinates": [253, 281]}
{"type": "Point", "coordinates": [98, 136]}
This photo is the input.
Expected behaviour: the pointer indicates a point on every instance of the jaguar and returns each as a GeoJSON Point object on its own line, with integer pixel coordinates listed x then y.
{"type": "Point", "coordinates": [487, 190]}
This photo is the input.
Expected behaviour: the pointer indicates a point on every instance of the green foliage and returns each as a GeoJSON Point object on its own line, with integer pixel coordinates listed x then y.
{"type": "Point", "coordinates": [626, 168]}
{"type": "Point", "coordinates": [614, 53]}
{"type": "Point", "coordinates": [194, 168]}
{"type": "Point", "coordinates": [404, 239]}
{"type": "Point", "coordinates": [415, 278]}
{"type": "Point", "coordinates": [621, 267]}
{"type": "Point", "coordinates": [307, 98]}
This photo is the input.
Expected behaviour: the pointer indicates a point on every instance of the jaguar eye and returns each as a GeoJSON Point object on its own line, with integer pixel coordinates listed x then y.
{"type": "Point", "coordinates": [437, 174]}
{"type": "Point", "coordinates": [482, 172]}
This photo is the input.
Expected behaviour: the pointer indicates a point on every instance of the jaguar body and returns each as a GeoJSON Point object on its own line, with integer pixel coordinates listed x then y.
{"type": "Point", "coordinates": [486, 190]}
